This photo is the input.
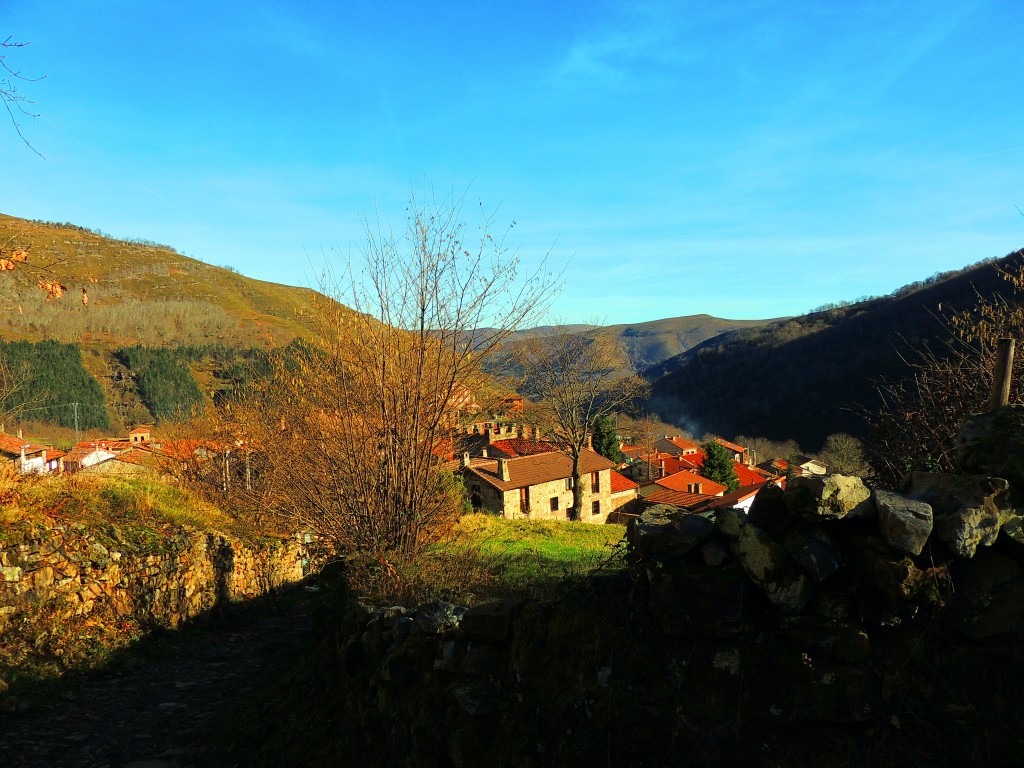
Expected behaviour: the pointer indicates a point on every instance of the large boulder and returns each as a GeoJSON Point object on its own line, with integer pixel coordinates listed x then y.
{"type": "Point", "coordinates": [906, 523]}
{"type": "Point", "coordinates": [766, 561]}
{"type": "Point", "coordinates": [968, 510]}
{"type": "Point", "coordinates": [993, 444]}
{"type": "Point", "coordinates": [665, 532]}
{"type": "Point", "coordinates": [828, 497]}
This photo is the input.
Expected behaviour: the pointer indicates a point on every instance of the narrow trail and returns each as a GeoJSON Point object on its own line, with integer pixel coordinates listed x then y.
{"type": "Point", "coordinates": [161, 708]}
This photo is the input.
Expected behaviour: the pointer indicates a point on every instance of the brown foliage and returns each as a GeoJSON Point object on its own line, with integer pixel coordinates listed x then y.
{"type": "Point", "coordinates": [346, 433]}
{"type": "Point", "coordinates": [917, 426]}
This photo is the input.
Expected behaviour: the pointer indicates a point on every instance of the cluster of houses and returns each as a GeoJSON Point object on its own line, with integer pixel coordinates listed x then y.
{"type": "Point", "coordinates": [507, 469]}
{"type": "Point", "coordinates": [511, 470]}
{"type": "Point", "coordinates": [134, 455]}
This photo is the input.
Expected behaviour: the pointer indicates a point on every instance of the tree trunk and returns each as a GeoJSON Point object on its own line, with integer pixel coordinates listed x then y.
{"type": "Point", "coordinates": [577, 490]}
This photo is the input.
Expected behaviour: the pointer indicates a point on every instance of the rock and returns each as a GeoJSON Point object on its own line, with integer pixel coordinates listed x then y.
{"type": "Point", "coordinates": [481, 659]}
{"type": "Point", "coordinates": [768, 564]}
{"type": "Point", "coordinates": [475, 698]}
{"type": "Point", "coordinates": [769, 511]}
{"type": "Point", "coordinates": [906, 523]}
{"type": "Point", "coordinates": [438, 618]}
{"type": "Point", "coordinates": [993, 444]}
{"type": "Point", "coordinates": [829, 497]}
{"type": "Point", "coordinates": [989, 598]}
{"type": "Point", "coordinates": [10, 573]}
{"type": "Point", "coordinates": [714, 553]}
{"type": "Point", "coordinates": [730, 521]}
{"type": "Point", "coordinates": [489, 622]}
{"type": "Point", "coordinates": [664, 532]}
{"type": "Point", "coordinates": [968, 510]}
{"type": "Point", "coordinates": [814, 550]}
{"type": "Point", "coordinates": [688, 598]}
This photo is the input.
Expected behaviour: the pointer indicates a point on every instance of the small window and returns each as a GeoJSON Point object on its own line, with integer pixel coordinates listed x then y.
{"type": "Point", "coordinates": [554, 503]}
{"type": "Point", "coordinates": [568, 483]}
{"type": "Point", "coordinates": [595, 482]}
{"type": "Point", "coordinates": [595, 508]}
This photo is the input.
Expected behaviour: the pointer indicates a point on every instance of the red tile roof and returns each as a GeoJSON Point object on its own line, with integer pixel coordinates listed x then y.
{"type": "Point", "coordinates": [621, 483]}
{"type": "Point", "coordinates": [520, 446]}
{"type": "Point", "coordinates": [734, 498]}
{"type": "Point", "coordinates": [683, 481]}
{"type": "Point", "coordinates": [731, 446]}
{"type": "Point", "coordinates": [751, 475]}
{"type": "Point", "coordinates": [683, 444]}
{"type": "Point", "coordinates": [677, 498]}
{"type": "Point", "coordinates": [11, 444]}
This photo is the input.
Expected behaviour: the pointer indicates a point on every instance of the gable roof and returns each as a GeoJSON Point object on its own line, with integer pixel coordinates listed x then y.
{"type": "Point", "coordinates": [734, 498]}
{"type": "Point", "coordinates": [525, 471]}
{"type": "Point", "coordinates": [731, 446]}
{"type": "Point", "coordinates": [682, 481]}
{"type": "Point", "coordinates": [621, 483]}
{"type": "Point", "coordinates": [678, 498]}
{"type": "Point", "coordinates": [12, 445]}
{"type": "Point", "coordinates": [681, 443]}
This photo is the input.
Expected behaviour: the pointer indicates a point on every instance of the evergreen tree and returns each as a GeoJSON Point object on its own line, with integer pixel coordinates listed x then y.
{"type": "Point", "coordinates": [606, 438]}
{"type": "Point", "coordinates": [718, 465]}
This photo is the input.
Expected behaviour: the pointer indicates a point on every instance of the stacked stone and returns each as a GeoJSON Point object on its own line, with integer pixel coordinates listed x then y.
{"type": "Point", "coordinates": [159, 582]}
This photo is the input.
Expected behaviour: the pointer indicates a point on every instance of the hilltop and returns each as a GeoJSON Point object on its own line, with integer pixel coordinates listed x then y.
{"type": "Point", "coordinates": [138, 293]}
{"type": "Point", "coordinates": [805, 377]}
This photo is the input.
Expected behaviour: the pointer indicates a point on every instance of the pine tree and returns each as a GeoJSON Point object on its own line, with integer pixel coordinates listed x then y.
{"type": "Point", "coordinates": [606, 438]}
{"type": "Point", "coordinates": [718, 465]}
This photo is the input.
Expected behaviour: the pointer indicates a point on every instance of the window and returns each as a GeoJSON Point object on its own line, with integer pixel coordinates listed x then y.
{"type": "Point", "coordinates": [554, 503]}
{"type": "Point", "coordinates": [595, 508]}
{"type": "Point", "coordinates": [568, 483]}
{"type": "Point", "coordinates": [595, 482]}
{"type": "Point", "coordinates": [524, 502]}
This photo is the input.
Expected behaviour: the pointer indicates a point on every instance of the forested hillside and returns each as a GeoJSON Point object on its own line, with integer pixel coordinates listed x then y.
{"type": "Point", "coordinates": [806, 377]}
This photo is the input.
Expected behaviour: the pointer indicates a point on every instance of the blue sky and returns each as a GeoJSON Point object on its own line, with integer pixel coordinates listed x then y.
{"type": "Point", "coordinates": [755, 159]}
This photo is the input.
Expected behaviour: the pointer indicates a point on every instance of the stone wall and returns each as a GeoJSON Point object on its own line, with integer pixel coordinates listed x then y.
{"type": "Point", "coordinates": [833, 625]}
{"type": "Point", "coordinates": [159, 579]}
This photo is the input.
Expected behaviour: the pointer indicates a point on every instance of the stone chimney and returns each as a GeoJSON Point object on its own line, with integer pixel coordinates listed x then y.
{"type": "Point", "coordinates": [483, 453]}
{"type": "Point", "coordinates": [590, 442]}
{"type": "Point", "coordinates": [20, 436]}
{"type": "Point", "coordinates": [465, 460]}
{"type": "Point", "coordinates": [503, 472]}
{"type": "Point", "coordinates": [490, 435]}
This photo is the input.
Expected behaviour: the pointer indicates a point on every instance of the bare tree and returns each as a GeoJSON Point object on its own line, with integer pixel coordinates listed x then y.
{"type": "Point", "coordinates": [574, 379]}
{"type": "Point", "coordinates": [14, 101]}
{"type": "Point", "coordinates": [350, 431]}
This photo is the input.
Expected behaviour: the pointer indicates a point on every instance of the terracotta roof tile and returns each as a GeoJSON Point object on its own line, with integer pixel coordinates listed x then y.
{"type": "Point", "coordinates": [683, 481]}
{"type": "Point", "coordinates": [677, 498]}
{"type": "Point", "coordinates": [621, 483]}
{"type": "Point", "coordinates": [11, 444]}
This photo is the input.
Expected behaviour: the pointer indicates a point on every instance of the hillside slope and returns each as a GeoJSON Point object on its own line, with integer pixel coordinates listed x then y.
{"type": "Point", "coordinates": [138, 293]}
{"type": "Point", "coordinates": [805, 377]}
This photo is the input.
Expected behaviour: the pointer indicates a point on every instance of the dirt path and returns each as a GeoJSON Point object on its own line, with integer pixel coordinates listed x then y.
{"type": "Point", "coordinates": [161, 707]}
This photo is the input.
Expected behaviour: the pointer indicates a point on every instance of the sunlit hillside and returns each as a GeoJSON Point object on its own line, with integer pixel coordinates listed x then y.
{"type": "Point", "coordinates": [120, 292]}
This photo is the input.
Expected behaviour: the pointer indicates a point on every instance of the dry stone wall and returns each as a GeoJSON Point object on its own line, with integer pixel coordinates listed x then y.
{"type": "Point", "coordinates": [832, 625]}
{"type": "Point", "coordinates": [157, 579]}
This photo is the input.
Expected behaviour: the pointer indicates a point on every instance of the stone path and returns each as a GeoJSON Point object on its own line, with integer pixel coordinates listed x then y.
{"type": "Point", "coordinates": [163, 710]}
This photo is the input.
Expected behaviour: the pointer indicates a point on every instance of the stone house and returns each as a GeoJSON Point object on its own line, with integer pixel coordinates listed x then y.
{"type": "Point", "coordinates": [539, 486]}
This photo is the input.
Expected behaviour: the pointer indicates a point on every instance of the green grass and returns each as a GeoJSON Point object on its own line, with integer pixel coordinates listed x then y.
{"type": "Point", "coordinates": [486, 557]}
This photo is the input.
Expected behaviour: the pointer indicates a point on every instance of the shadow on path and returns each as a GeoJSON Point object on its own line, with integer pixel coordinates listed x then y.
{"type": "Point", "coordinates": [158, 703]}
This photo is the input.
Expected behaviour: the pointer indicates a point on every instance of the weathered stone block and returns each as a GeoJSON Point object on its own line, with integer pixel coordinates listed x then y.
{"type": "Point", "coordinates": [814, 550]}
{"type": "Point", "coordinates": [906, 523]}
{"type": "Point", "coordinates": [664, 532]}
{"type": "Point", "coordinates": [829, 497]}
{"type": "Point", "coordinates": [968, 510]}
{"type": "Point", "coordinates": [489, 622]}
{"type": "Point", "coordinates": [993, 444]}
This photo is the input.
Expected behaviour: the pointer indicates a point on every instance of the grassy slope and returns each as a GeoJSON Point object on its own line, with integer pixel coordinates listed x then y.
{"type": "Point", "coordinates": [139, 294]}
